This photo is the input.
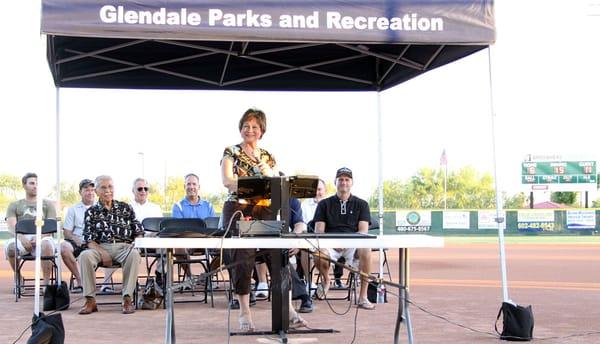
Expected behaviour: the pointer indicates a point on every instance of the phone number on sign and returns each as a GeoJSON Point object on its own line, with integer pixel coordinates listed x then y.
{"type": "Point", "coordinates": [546, 226]}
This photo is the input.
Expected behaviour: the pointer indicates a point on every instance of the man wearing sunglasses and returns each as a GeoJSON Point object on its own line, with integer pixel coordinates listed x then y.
{"type": "Point", "coordinates": [142, 207]}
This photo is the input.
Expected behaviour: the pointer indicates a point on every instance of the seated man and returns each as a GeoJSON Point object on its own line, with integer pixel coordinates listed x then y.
{"type": "Point", "coordinates": [110, 228]}
{"type": "Point", "coordinates": [341, 213]}
{"type": "Point", "coordinates": [73, 230]}
{"type": "Point", "coordinates": [26, 209]}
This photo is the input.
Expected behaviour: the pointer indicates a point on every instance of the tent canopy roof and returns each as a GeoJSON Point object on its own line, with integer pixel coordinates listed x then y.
{"type": "Point", "coordinates": [355, 45]}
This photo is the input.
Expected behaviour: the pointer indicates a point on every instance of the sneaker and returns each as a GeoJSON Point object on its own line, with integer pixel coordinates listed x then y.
{"type": "Point", "coordinates": [306, 306]}
{"type": "Point", "coordinates": [338, 283]}
{"type": "Point", "coordinates": [234, 304]}
{"type": "Point", "coordinates": [106, 289]}
{"type": "Point", "coordinates": [262, 290]}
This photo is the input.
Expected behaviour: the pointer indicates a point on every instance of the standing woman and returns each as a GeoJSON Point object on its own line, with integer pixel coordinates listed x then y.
{"type": "Point", "coordinates": [241, 160]}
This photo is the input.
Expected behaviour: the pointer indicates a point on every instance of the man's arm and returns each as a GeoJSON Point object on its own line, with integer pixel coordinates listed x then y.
{"type": "Point", "coordinates": [11, 222]}
{"type": "Point", "coordinates": [319, 227]}
{"type": "Point", "coordinates": [363, 227]}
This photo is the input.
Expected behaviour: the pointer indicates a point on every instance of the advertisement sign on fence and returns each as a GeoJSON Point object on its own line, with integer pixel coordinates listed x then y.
{"type": "Point", "coordinates": [456, 220]}
{"type": "Point", "coordinates": [413, 220]}
{"type": "Point", "coordinates": [535, 220]}
{"type": "Point", "coordinates": [486, 219]}
{"type": "Point", "coordinates": [581, 219]}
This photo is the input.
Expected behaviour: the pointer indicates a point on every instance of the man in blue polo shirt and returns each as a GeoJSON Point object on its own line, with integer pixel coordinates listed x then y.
{"type": "Point", "coordinates": [191, 207]}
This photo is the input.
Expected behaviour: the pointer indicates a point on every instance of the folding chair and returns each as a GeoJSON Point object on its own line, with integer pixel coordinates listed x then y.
{"type": "Point", "coordinates": [27, 227]}
{"type": "Point", "coordinates": [177, 227]}
{"type": "Point", "coordinates": [152, 256]}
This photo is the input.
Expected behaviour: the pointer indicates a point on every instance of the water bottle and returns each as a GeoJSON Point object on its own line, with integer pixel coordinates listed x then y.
{"type": "Point", "coordinates": [381, 293]}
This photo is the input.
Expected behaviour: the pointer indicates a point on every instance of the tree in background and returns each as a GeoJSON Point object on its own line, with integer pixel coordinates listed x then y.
{"type": "Point", "coordinates": [465, 189]}
{"type": "Point", "coordinates": [568, 198]}
{"type": "Point", "coordinates": [515, 201]}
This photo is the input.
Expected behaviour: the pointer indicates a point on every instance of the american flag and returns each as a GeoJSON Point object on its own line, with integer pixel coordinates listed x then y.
{"type": "Point", "coordinates": [443, 158]}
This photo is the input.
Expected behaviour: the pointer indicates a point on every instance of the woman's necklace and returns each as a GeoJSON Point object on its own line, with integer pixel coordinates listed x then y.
{"type": "Point", "coordinates": [251, 152]}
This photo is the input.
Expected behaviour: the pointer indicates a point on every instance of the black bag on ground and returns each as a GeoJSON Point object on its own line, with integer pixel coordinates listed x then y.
{"type": "Point", "coordinates": [152, 297]}
{"type": "Point", "coordinates": [517, 322]}
{"type": "Point", "coordinates": [56, 297]}
{"type": "Point", "coordinates": [47, 329]}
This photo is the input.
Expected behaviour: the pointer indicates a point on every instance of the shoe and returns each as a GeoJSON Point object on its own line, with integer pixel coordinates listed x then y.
{"type": "Point", "coordinates": [234, 304]}
{"type": "Point", "coordinates": [106, 289]}
{"type": "Point", "coordinates": [297, 322]}
{"type": "Point", "coordinates": [89, 307]}
{"type": "Point", "coordinates": [306, 306]}
{"type": "Point", "coordinates": [322, 290]}
{"type": "Point", "coordinates": [246, 324]}
{"type": "Point", "coordinates": [262, 290]}
{"type": "Point", "coordinates": [365, 304]}
{"type": "Point", "coordinates": [338, 283]}
{"type": "Point", "coordinates": [128, 307]}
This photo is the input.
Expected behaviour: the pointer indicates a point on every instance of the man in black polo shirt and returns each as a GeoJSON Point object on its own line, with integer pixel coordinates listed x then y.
{"type": "Point", "coordinates": [344, 213]}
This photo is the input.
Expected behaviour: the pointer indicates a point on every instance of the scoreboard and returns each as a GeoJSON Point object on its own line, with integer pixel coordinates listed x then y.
{"type": "Point", "coordinates": [559, 175]}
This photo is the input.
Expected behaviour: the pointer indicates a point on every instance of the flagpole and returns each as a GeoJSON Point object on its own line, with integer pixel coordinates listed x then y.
{"type": "Point", "coordinates": [444, 161]}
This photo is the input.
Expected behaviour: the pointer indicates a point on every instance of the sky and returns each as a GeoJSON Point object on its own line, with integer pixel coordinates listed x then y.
{"type": "Point", "coordinates": [544, 83]}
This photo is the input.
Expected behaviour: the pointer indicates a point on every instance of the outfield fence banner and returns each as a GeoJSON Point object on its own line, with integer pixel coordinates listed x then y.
{"type": "Point", "coordinates": [456, 220]}
{"type": "Point", "coordinates": [581, 219]}
{"type": "Point", "coordinates": [486, 219]}
{"type": "Point", "coordinates": [535, 220]}
{"type": "Point", "coordinates": [413, 220]}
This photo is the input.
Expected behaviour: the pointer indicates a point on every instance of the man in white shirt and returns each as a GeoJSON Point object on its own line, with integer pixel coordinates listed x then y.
{"type": "Point", "coordinates": [144, 209]}
{"type": "Point", "coordinates": [73, 230]}
{"type": "Point", "coordinates": [309, 205]}
{"type": "Point", "coordinates": [141, 206]}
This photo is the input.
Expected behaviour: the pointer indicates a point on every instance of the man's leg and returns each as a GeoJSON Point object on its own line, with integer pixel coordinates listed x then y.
{"type": "Point", "coordinates": [364, 264]}
{"type": "Point", "coordinates": [66, 252]}
{"type": "Point", "coordinates": [322, 263]}
{"type": "Point", "coordinates": [47, 251]}
{"type": "Point", "coordinates": [9, 253]}
{"type": "Point", "coordinates": [129, 258]}
{"type": "Point", "coordinates": [88, 261]}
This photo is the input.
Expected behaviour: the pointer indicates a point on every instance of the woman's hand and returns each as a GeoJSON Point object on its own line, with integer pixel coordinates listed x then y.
{"type": "Point", "coordinates": [265, 169]}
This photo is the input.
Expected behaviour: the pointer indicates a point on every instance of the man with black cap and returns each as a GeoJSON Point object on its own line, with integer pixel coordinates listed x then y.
{"type": "Point", "coordinates": [344, 213]}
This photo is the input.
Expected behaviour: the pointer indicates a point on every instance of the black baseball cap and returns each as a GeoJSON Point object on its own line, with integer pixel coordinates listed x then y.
{"type": "Point", "coordinates": [343, 171]}
{"type": "Point", "coordinates": [84, 183]}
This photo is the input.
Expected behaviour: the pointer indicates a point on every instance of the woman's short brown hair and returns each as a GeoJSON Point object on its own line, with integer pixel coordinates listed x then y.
{"type": "Point", "coordinates": [258, 115]}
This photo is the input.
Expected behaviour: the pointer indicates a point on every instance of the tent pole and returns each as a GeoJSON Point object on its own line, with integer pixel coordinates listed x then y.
{"type": "Point", "coordinates": [380, 176]}
{"type": "Point", "coordinates": [38, 248]}
{"type": "Point", "coordinates": [499, 218]}
{"type": "Point", "coordinates": [58, 203]}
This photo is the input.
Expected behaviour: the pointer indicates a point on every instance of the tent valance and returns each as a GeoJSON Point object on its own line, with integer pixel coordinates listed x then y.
{"type": "Point", "coordinates": [333, 45]}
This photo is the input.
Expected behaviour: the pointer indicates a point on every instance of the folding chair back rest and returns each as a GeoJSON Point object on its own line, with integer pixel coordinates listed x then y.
{"type": "Point", "coordinates": [187, 228]}
{"type": "Point", "coordinates": [183, 227]}
{"type": "Point", "coordinates": [28, 226]}
{"type": "Point", "coordinates": [212, 222]}
{"type": "Point", "coordinates": [152, 224]}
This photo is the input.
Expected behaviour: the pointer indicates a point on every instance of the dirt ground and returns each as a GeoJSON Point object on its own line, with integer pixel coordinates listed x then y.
{"type": "Point", "coordinates": [460, 283]}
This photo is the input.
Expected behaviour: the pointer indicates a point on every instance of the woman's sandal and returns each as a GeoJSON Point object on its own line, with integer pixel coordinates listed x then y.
{"type": "Point", "coordinates": [246, 324]}
{"type": "Point", "coordinates": [365, 304]}
{"type": "Point", "coordinates": [297, 322]}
